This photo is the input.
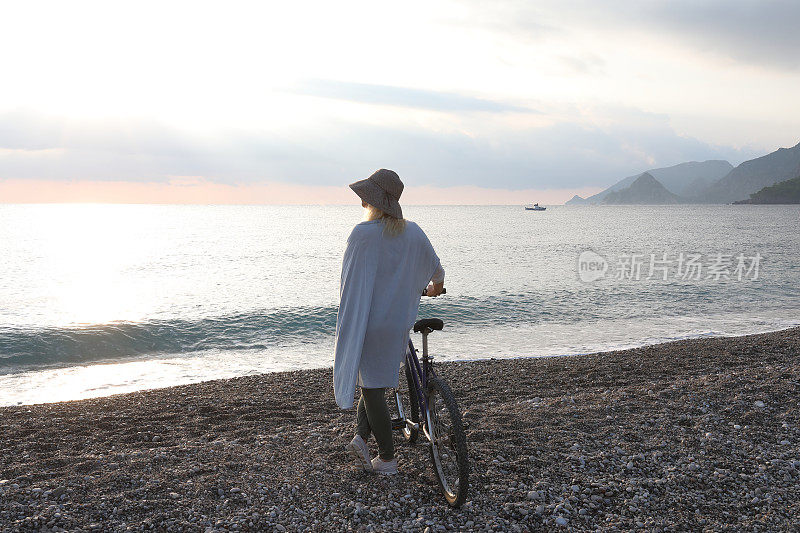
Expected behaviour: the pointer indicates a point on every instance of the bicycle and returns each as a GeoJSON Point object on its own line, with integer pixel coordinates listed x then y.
{"type": "Point", "coordinates": [430, 396]}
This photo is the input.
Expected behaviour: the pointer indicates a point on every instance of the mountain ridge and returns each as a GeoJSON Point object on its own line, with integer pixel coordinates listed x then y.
{"type": "Point", "coordinates": [677, 179]}
{"type": "Point", "coordinates": [753, 175]}
{"type": "Point", "coordinates": [645, 190]}
{"type": "Point", "coordinates": [783, 192]}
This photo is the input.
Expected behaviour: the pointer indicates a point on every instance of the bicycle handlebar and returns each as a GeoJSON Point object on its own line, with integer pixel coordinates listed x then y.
{"type": "Point", "coordinates": [425, 292]}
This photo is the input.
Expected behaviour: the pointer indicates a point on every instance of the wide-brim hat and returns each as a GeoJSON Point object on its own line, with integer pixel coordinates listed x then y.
{"type": "Point", "coordinates": [382, 190]}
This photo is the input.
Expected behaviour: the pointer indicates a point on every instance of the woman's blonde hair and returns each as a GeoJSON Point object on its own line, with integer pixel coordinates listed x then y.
{"type": "Point", "coordinates": [391, 226]}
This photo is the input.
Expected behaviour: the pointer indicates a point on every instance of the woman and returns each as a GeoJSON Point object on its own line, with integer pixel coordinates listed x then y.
{"type": "Point", "coordinates": [387, 264]}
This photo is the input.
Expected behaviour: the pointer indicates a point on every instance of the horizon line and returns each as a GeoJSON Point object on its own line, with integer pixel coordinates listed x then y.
{"type": "Point", "coordinates": [200, 191]}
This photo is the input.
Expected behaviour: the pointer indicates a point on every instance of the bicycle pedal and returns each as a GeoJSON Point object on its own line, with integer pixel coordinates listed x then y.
{"type": "Point", "coordinates": [398, 423]}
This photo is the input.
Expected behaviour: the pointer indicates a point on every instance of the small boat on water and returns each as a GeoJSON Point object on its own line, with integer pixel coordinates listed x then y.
{"type": "Point", "coordinates": [534, 207]}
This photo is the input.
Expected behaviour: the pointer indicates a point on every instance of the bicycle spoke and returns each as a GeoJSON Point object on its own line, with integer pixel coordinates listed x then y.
{"type": "Point", "coordinates": [403, 407]}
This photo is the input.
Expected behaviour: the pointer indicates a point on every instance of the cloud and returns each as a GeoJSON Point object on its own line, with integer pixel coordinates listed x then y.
{"type": "Point", "coordinates": [20, 130]}
{"type": "Point", "coordinates": [520, 19]}
{"type": "Point", "coordinates": [562, 155]}
{"type": "Point", "coordinates": [402, 97]}
{"type": "Point", "coordinates": [586, 63]}
{"type": "Point", "coordinates": [758, 32]}
{"type": "Point", "coordinates": [558, 156]}
{"type": "Point", "coordinates": [750, 31]}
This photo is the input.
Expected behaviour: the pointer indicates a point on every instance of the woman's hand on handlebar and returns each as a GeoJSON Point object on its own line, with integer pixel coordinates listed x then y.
{"type": "Point", "coordinates": [434, 289]}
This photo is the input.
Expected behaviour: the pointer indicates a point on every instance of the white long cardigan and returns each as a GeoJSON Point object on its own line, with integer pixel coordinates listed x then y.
{"type": "Point", "coordinates": [382, 280]}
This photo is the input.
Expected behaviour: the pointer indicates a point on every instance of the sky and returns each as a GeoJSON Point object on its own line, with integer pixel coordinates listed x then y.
{"type": "Point", "coordinates": [470, 102]}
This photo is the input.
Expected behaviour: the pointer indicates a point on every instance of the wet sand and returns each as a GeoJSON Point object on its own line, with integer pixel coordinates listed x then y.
{"type": "Point", "coordinates": [696, 434]}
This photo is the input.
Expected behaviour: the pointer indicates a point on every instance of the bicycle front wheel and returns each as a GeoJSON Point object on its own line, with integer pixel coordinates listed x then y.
{"type": "Point", "coordinates": [408, 404]}
{"type": "Point", "coordinates": [448, 446]}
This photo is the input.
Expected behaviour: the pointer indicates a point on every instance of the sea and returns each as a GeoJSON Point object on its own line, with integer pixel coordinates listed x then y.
{"type": "Point", "coordinates": [101, 299]}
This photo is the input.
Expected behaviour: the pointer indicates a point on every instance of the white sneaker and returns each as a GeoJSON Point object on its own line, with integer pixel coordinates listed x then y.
{"type": "Point", "coordinates": [358, 449]}
{"type": "Point", "coordinates": [387, 468]}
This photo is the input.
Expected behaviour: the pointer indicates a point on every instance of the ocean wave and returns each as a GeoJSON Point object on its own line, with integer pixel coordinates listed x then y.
{"type": "Point", "coordinates": [86, 343]}
{"type": "Point", "coordinates": [253, 330]}
{"type": "Point", "coordinates": [263, 329]}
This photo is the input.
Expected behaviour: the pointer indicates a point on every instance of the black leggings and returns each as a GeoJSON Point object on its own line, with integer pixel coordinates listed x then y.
{"type": "Point", "coordinates": [373, 417]}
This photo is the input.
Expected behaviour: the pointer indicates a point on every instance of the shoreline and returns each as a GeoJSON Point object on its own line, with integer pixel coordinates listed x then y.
{"type": "Point", "coordinates": [167, 360]}
{"type": "Point", "coordinates": [698, 433]}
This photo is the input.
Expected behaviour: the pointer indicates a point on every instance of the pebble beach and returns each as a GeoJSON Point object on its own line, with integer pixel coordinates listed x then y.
{"type": "Point", "coordinates": [699, 434]}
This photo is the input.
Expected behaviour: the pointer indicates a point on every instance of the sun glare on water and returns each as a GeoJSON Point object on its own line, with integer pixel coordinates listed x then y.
{"type": "Point", "coordinates": [87, 256]}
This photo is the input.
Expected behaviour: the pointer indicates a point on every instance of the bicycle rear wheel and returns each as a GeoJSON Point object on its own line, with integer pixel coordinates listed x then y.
{"type": "Point", "coordinates": [448, 446]}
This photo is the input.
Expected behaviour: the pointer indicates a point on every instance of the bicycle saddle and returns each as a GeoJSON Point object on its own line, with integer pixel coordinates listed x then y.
{"type": "Point", "coordinates": [430, 323]}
